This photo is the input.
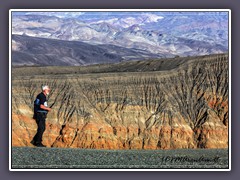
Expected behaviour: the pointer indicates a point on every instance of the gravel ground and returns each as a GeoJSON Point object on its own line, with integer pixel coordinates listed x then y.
{"type": "Point", "coordinates": [66, 158]}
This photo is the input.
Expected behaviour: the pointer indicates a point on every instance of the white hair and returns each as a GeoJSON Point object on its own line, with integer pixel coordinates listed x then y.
{"type": "Point", "coordinates": [45, 87]}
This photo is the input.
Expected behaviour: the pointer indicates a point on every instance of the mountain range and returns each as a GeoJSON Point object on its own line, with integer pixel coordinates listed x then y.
{"type": "Point", "coordinates": [156, 34]}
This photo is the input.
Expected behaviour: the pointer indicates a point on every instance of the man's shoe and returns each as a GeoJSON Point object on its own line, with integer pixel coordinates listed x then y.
{"type": "Point", "coordinates": [40, 145]}
{"type": "Point", "coordinates": [33, 142]}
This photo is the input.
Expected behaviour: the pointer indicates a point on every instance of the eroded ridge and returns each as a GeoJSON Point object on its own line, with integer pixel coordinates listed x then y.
{"type": "Point", "coordinates": [183, 106]}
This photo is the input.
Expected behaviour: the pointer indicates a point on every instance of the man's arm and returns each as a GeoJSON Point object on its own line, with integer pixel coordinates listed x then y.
{"type": "Point", "coordinates": [44, 107]}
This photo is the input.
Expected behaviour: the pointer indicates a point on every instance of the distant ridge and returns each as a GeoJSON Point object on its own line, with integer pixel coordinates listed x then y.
{"type": "Point", "coordinates": [33, 51]}
{"type": "Point", "coordinates": [163, 64]}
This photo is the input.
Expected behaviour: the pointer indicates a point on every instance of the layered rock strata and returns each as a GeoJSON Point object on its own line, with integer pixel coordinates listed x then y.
{"type": "Point", "coordinates": [182, 107]}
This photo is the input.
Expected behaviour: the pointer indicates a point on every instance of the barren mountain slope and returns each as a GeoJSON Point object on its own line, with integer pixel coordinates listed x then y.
{"type": "Point", "coordinates": [165, 33]}
{"type": "Point", "coordinates": [35, 51]}
{"type": "Point", "coordinates": [182, 106]}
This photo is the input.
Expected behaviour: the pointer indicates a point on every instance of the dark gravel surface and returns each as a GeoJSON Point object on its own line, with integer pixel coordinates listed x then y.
{"type": "Point", "coordinates": [62, 158]}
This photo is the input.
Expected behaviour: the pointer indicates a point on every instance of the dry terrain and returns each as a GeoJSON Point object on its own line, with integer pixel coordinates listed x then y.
{"type": "Point", "coordinates": [177, 103]}
{"type": "Point", "coordinates": [71, 158]}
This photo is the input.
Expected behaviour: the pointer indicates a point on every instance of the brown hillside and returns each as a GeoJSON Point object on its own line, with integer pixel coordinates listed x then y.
{"type": "Point", "coordinates": [182, 104]}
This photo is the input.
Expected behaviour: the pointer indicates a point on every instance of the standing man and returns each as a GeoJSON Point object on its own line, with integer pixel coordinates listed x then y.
{"type": "Point", "coordinates": [41, 109]}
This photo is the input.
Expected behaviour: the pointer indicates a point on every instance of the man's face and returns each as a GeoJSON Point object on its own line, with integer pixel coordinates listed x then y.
{"type": "Point", "coordinates": [47, 91]}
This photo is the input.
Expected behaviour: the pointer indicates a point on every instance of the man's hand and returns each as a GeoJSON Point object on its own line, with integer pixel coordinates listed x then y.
{"type": "Point", "coordinates": [45, 108]}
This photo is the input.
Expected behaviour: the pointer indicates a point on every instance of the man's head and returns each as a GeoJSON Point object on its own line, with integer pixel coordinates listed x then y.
{"type": "Point", "coordinates": [45, 89]}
